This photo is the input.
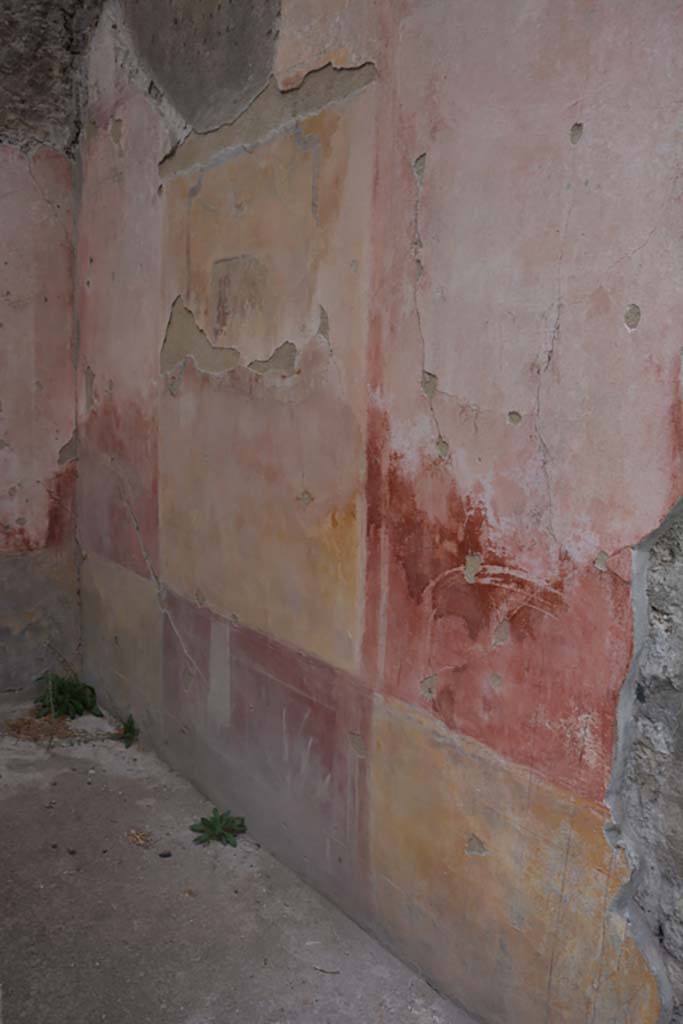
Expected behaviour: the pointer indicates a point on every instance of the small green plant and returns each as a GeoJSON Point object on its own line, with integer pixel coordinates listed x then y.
{"type": "Point", "coordinates": [65, 696]}
{"type": "Point", "coordinates": [220, 828]}
{"type": "Point", "coordinates": [129, 732]}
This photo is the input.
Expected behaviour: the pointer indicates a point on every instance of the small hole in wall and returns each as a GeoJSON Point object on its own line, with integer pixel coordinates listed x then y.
{"type": "Point", "coordinates": [575, 132]}
{"type": "Point", "coordinates": [632, 316]}
{"type": "Point", "coordinates": [515, 418]}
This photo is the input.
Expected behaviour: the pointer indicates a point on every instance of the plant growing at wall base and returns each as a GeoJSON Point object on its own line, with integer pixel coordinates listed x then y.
{"type": "Point", "coordinates": [219, 828]}
{"type": "Point", "coordinates": [129, 732]}
{"type": "Point", "coordinates": [65, 696]}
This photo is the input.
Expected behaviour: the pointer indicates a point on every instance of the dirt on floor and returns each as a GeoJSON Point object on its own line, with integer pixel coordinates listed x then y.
{"type": "Point", "coordinates": [109, 912]}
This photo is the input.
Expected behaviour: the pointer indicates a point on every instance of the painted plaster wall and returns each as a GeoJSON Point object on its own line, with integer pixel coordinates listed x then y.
{"type": "Point", "coordinates": [38, 613]}
{"type": "Point", "coordinates": [369, 425]}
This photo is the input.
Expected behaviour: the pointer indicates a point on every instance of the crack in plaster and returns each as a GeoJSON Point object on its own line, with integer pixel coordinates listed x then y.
{"type": "Point", "coordinates": [428, 381]}
{"type": "Point", "coordinates": [543, 364]}
{"type": "Point", "coordinates": [155, 579]}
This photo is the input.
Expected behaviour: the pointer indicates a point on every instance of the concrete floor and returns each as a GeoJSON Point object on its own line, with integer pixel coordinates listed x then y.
{"type": "Point", "coordinates": [94, 927]}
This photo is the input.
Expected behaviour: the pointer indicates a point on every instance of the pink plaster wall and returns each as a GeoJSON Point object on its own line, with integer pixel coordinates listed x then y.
{"type": "Point", "coordinates": [37, 449]}
{"type": "Point", "coordinates": [36, 353]}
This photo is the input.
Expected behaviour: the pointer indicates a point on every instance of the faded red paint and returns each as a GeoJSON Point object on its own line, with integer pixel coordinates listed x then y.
{"type": "Point", "coordinates": [291, 732]}
{"type": "Point", "coordinates": [61, 511]}
{"type": "Point", "coordinates": [60, 517]}
{"type": "Point", "coordinates": [119, 483]}
{"type": "Point", "coordinates": [531, 667]}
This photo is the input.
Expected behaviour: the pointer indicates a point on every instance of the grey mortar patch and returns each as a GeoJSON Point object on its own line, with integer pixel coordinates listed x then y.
{"type": "Point", "coordinates": [282, 360]}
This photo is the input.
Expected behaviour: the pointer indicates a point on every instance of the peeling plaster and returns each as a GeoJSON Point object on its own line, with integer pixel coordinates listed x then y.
{"type": "Point", "coordinates": [185, 340]}
{"type": "Point", "coordinates": [282, 361]}
{"type": "Point", "coordinates": [271, 110]}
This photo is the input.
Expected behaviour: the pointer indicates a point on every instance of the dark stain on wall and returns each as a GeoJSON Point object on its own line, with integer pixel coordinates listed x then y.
{"type": "Point", "coordinates": [40, 56]}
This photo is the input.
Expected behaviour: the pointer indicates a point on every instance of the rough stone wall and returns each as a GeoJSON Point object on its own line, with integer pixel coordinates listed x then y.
{"type": "Point", "coordinates": [43, 43]}
{"type": "Point", "coordinates": [378, 385]}
{"type": "Point", "coordinates": [647, 790]}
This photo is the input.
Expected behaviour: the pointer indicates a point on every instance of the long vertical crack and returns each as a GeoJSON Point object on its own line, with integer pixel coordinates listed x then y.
{"type": "Point", "coordinates": [428, 381]}
{"type": "Point", "coordinates": [155, 578]}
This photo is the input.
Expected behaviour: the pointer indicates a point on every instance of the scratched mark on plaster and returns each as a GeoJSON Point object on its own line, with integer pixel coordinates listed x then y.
{"type": "Point", "coordinates": [271, 111]}
{"type": "Point", "coordinates": [238, 296]}
{"type": "Point", "coordinates": [89, 388]}
{"type": "Point", "coordinates": [429, 382]}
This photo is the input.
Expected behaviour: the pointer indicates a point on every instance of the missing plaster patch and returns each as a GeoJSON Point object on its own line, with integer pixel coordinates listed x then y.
{"type": "Point", "coordinates": [515, 418]}
{"type": "Point", "coordinates": [475, 847]}
{"type": "Point", "coordinates": [419, 167]}
{"type": "Point", "coordinates": [442, 447]}
{"type": "Point", "coordinates": [501, 634]}
{"type": "Point", "coordinates": [89, 388]}
{"type": "Point", "coordinates": [428, 687]}
{"type": "Point", "coordinates": [430, 382]}
{"type": "Point", "coordinates": [185, 340]}
{"type": "Point", "coordinates": [282, 361]}
{"type": "Point", "coordinates": [472, 567]}
{"type": "Point", "coordinates": [575, 132]}
{"type": "Point", "coordinates": [324, 324]}
{"type": "Point", "coordinates": [305, 498]}
{"type": "Point", "coordinates": [68, 451]}
{"type": "Point", "coordinates": [601, 560]}
{"type": "Point", "coordinates": [271, 110]}
{"type": "Point", "coordinates": [646, 793]}
{"type": "Point", "coordinates": [632, 316]}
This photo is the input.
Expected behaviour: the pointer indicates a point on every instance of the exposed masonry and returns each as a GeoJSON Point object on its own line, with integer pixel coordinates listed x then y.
{"type": "Point", "coordinates": [646, 794]}
{"type": "Point", "coordinates": [211, 59]}
{"type": "Point", "coordinates": [40, 62]}
{"type": "Point", "coordinates": [271, 110]}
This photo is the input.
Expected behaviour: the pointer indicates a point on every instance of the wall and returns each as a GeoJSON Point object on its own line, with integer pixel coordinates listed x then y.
{"type": "Point", "coordinates": [38, 615]}
{"type": "Point", "coordinates": [378, 387]}
{"type": "Point", "coordinates": [39, 126]}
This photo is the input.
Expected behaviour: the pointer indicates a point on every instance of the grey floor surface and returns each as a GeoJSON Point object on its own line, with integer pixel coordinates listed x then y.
{"type": "Point", "coordinates": [95, 927]}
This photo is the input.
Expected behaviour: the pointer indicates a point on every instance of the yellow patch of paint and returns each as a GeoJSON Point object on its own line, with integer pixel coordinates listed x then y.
{"type": "Point", "coordinates": [524, 934]}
